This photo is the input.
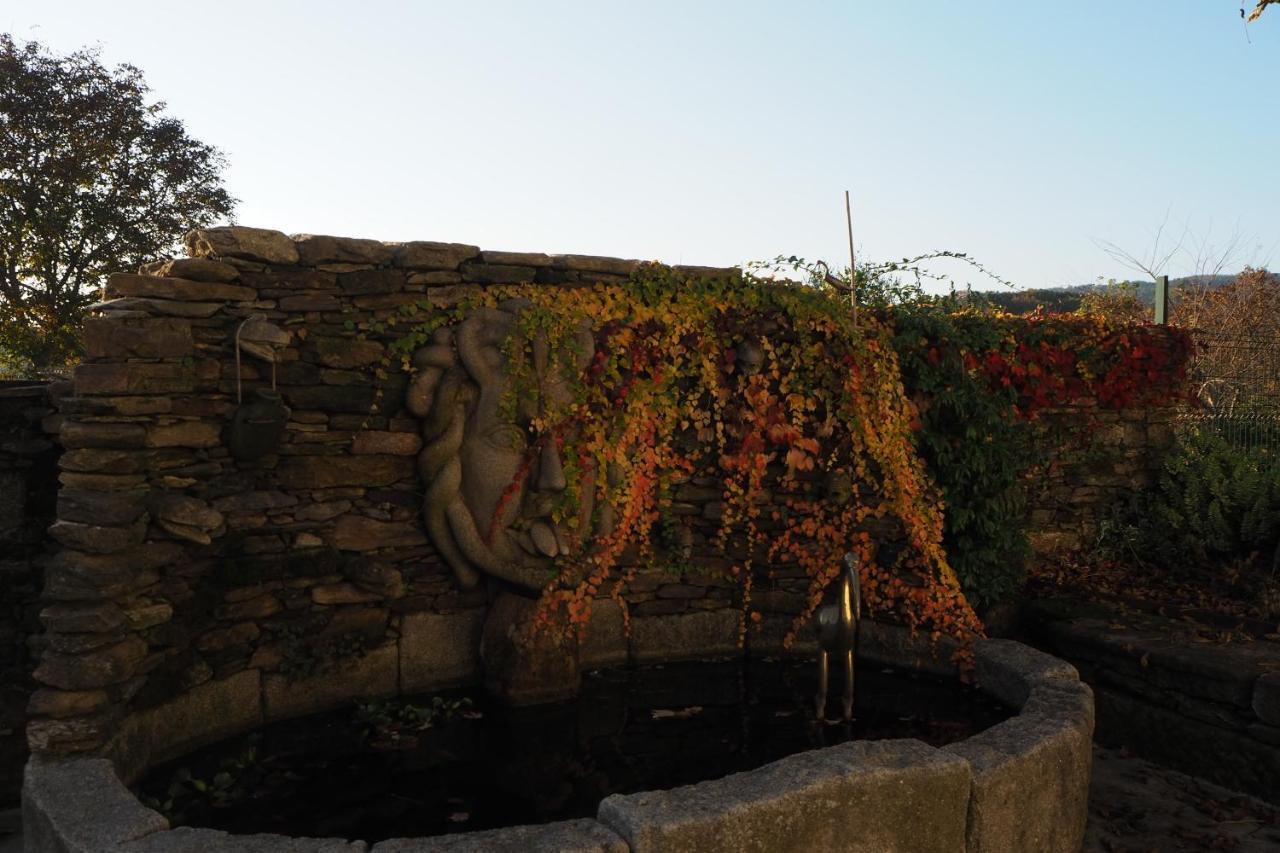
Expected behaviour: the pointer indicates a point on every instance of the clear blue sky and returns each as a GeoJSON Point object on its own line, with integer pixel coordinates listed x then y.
{"type": "Point", "coordinates": [720, 132]}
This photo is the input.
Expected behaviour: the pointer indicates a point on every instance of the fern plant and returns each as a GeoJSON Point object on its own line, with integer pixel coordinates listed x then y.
{"type": "Point", "coordinates": [1213, 502]}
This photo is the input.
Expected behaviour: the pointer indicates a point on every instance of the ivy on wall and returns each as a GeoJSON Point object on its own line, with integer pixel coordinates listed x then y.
{"type": "Point", "coordinates": [768, 389]}
{"type": "Point", "coordinates": [816, 427]}
{"type": "Point", "coordinates": [984, 380]}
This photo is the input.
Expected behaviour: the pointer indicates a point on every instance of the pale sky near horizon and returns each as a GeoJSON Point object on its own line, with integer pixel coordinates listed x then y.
{"type": "Point", "coordinates": [718, 132]}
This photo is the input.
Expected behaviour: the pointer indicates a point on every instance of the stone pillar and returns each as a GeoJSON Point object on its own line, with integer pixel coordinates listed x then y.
{"type": "Point", "coordinates": [140, 432]}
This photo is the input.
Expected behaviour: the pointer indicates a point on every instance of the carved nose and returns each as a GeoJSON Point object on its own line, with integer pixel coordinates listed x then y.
{"type": "Point", "coordinates": [550, 469]}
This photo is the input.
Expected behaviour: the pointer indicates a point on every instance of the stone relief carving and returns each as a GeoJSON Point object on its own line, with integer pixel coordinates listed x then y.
{"type": "Point", "coordinates": [491, 482]}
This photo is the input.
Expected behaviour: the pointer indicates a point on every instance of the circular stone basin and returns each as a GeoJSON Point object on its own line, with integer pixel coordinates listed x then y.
{"type": "Point", "coordinates": [1019, 785]}
{"type": "Point", "coordinates": [364, 774]}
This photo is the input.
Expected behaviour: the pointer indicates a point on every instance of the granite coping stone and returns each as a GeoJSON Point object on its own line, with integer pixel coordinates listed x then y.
{"type": "Point", "coordinates": [1218, 673]}
{"type": "Point", "coordinates": [706, 635]}
{"type": "Point", "coordinates": [186, 839]}
{"type": "Point", "coordinates": [568, 836]}
{"type": "Point", "coordinates": [1030, 773]}
{"type": "Point", "coordinates": [80, 806]}
{"type": "Point", "coordinates": [869, 796]}
{"type": "Point", "coordinates": [1008, 670]}
{"type": "Point", "coordinates": [1020, 785]}
{"type": "Point", "coordinates": [205, 714]}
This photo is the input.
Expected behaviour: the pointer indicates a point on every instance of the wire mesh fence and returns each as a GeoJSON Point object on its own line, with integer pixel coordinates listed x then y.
{"type": "Point", "coordinates": [1236, 378]}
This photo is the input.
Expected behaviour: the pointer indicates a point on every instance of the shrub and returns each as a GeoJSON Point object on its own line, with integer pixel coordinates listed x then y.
{"type": "Point", "coordinates": [1214, 503]}
{"type": "Point", "coordinates": [1118, 301]}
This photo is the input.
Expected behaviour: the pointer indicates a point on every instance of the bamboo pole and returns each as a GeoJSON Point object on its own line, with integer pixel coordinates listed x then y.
{"type": "Point", "coordinates": [853, 269]}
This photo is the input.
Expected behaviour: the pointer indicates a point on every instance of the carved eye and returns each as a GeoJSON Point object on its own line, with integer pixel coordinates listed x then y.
{"type": "Point", "coordinates": [509, 437]}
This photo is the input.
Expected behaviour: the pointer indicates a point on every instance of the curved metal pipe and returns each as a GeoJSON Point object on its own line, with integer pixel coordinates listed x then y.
{"type": "Point", "coordinates": [838, 633]}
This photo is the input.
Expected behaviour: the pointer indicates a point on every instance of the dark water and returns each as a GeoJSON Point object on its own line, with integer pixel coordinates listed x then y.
{"type": "Point", "coordinates": [492, 766]}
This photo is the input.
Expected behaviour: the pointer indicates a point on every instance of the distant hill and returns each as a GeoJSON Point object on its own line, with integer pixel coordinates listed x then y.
{"type": "Point", "coordinates": [1057, 300]}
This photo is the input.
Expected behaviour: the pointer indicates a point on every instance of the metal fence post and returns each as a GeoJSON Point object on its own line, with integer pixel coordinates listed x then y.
{"type": "Point", "coordinates": [1162, 299]}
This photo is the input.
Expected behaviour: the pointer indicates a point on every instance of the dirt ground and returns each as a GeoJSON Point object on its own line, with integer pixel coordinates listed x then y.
{"type": "Point", "coordinates": [1138, 807]}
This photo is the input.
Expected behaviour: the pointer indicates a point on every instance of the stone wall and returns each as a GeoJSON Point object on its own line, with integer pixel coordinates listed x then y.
{"type": "Point", "coordinates": [1020, 785]}
{"type": "Point", "coordinates": [182, 569]}
{"type": "Point", "coordinates": [28, 461]}
{"type": "Point", "coordinates": [260, 590]}
{"type": "Point", "coordinates": [1103, 458]}
{"type": "Point", "coordinates": [1211, 709]}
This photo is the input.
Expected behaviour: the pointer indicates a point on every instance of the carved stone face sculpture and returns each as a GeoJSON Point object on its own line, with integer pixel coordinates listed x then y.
{"type": "Point", "coordinates": [491, 483]}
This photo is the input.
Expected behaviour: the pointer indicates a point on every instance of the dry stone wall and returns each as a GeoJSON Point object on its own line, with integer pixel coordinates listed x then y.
{"type": "Point", "coordinates": [1105, 457]}
{"type": "Point", "coordinates": [183, 571]}
{"type": "Point", "coordinates": [196, 594]}
{"type": "Point", "coordinates": [1208, 709]}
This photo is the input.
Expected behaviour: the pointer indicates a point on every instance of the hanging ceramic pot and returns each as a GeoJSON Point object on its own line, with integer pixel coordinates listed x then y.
{"type": "Point", "coordinates": [258, 425]}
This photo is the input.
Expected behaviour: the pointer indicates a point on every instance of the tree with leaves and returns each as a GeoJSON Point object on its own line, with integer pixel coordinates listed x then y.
{"type": "Point", "coordinates": [93, 179]}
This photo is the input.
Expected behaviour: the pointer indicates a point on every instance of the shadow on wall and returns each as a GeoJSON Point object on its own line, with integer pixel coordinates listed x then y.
{"type": "Point", "coordinates": [28, 497]}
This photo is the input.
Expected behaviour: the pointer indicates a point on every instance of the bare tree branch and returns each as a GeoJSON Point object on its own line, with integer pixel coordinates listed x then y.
{"type": "Point", "coordinates": [1154, 261]}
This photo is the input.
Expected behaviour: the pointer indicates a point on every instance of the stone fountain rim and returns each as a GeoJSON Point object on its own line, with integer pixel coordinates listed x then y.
{"type": "Point", "coordinates": [82, 804]}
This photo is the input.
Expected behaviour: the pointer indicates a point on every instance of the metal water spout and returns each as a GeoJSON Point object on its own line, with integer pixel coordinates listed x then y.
{"type": "Point", "coordinates": [838, 634]}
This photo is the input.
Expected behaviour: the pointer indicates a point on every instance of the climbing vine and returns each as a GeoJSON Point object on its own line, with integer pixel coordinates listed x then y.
{"type": "Point", "coordinates": [820, 433]}
{"type": "Point", "coordinates": [984, 382]}
{"type": "Point", "coordinates": [766, 391]}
